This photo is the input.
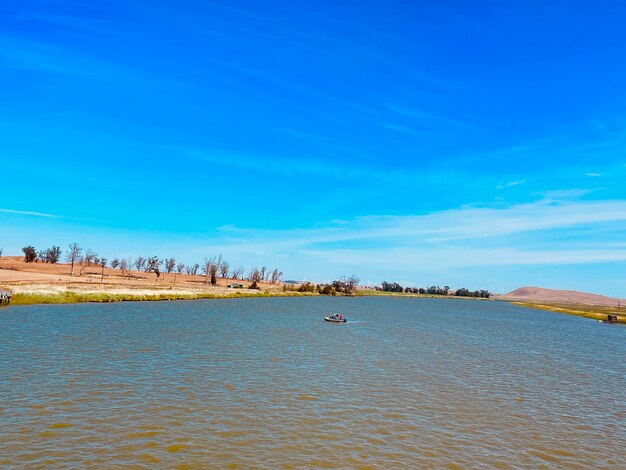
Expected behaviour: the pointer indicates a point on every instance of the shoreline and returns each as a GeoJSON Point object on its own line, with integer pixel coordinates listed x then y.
{"type": "Point", "coordinates": [32, 297]}
{"type": "Point", "coordinates": [43, 283]}
{"type": "Point", "coordinates": [71, 297]}
{"type": "Point", "coordinates": [40, 284]}
{"type": "Point", "coordinates": [591, 312]}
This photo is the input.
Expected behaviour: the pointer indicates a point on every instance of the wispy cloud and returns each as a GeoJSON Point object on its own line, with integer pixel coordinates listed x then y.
{"type": "Point", "coordinates": [326, 168]}
{"type": "Point", "coordinates": [46, 215]}
{"type": "Point", "coordinates": [398, 127]}
{"type": "Point", "coordinates": [31, 213]}
{"type": "Point", "coordinates": [426, 117]}
{"type": "Point", "coordinates": [26, 54]}
{"type": "Point", "coordinates": [335, 143]}
{"type": "Point", "coordinates": [561, 194]}
{"type": "Point", "coordinates": [510, 184]}
{"type": "Point", "coordinates": [466, 236]}
{"type": "Point", "coordinates": [467, 223]}
{"type": "Point", "coordinates": [90, 25]}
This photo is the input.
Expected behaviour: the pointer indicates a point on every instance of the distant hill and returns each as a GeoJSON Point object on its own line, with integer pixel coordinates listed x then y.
{"type": "Point", "coordinates": [539, 294]}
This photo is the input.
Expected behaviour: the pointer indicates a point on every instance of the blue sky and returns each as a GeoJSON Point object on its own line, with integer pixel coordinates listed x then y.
{"type": "Point", "coordinates": [471, 144]}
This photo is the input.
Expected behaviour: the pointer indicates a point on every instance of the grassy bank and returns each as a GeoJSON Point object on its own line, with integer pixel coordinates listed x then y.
{"type": "Point", "coordinates": [78, 297]}
{"type": "Point", "coordinates": [595, 312]}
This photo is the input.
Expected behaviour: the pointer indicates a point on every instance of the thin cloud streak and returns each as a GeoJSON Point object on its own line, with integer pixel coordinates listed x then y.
{"type": "Point", "coordinates": [466, 223]}
{"type": "Point", "coordinates": [467, 258]}
{"type": "Point", "coordinates": [310, 166]}
{"type": "Point", "coordinates": [30, 55]}
{"type": "Point", "coordinates": [464, 238]}
{"type": "Point", "coordinates": [32, 213]}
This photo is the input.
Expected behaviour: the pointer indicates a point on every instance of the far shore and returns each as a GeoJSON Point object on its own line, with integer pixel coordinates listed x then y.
{"type": "Point", "coordinates": [41, 283]}
{"type": "Point", "coordinates": [593, 312]}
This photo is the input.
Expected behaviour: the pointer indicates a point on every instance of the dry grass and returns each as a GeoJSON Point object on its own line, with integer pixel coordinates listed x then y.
{"type": "Point", "coordinates": [77, 297]}
{"type": "Point", "coordinates": [40, 283]}
{"type": "Point", "coordinates": [595, 312]}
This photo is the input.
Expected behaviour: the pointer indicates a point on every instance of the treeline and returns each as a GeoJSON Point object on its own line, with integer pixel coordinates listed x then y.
{"type": "Point", "coordinates": [49, 255]}
{"type": "Point", "coordinates": [463, 292]}
{"type": "Point", "coordinates": [211, 268]}
{"type": "Point", "coordinates": [343, 285]}
{"type": "Point", "coordinates": [434, 290]}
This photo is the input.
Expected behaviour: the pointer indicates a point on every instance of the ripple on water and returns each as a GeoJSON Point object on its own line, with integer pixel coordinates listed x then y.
{"type": "Point", "coordinates": [419, 383]}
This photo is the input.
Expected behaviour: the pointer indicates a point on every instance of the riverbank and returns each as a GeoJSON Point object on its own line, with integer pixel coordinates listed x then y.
{"type": "Point", "coordinates": [594, 312]}
{"type": "Point", "coordinates": [70, 297]}
{"type": "Point", "coordinates": [41, 283]}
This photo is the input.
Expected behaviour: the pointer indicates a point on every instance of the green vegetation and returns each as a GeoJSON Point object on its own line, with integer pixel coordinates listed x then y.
{"type": "Point", "coordinates": [306, 287]}
{"type": "Point", "coordinates": [30, 254]}
{"type": "Point", "coordinates": [434, 290]}
{"type": "Point", "coordinates": [49, 255]}
{"type": "Point", "coordinates": [595, 312]}
{"type": "Point", "coordinates": [78, 297]}
{"type": "Point", "coordinates": [328, 290]}
{"type": "Point", "coordinates": [371, 292]}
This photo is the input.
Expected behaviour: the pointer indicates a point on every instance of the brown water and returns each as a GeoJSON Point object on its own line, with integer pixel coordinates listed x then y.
{"type": "Point", "coordinates": [266, 383]}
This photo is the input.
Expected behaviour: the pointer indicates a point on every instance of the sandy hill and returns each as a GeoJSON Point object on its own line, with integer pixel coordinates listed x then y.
{"type": "Point", "coordinates": [21, 277]}
{"type": "Point", "coordinates": [539, 294]}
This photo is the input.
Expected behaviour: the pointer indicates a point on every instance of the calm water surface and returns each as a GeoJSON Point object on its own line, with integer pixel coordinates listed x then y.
{"type": "Point", "coordinates": [409, 383]}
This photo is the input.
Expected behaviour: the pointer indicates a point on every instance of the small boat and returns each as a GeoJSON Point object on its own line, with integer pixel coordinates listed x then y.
{"type": "Point", "coordinates": [336, 318]}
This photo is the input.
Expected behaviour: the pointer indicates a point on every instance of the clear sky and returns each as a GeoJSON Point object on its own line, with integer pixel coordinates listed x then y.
{"type": "Point", "coordinates": [476, 144]}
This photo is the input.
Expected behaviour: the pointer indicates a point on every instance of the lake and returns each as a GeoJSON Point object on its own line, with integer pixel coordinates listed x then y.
{"type": "Point", "coordinates": [244, 383]}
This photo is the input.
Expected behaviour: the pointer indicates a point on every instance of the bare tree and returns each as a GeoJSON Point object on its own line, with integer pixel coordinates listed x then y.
{"type": "Point", "coordinates": [0, 253]}
{"type": "Point", "coordinates": [237, 273]}
{"type": "Point", "coordinates": [351, 283]}
{"type": "Point", "coordinates": [115, 263]}
{"type": "Point", "coordinates": [275, 276]}
{"type": "Point", "coordinates": [211, 267]}
{"type": "Point", "coordinates": [152, 266]}
{"type": "Point", "coordinates": [214, 269]}
{"type": "Point", "coordinates": [255, 275]}
{"type": "Point", "coordinates": [123, 266]}
{"type": "Point", "coordinates": [72, 255]}
{"type": "Point", "coordinates": [346, 285]}
{"type": "Point", "coordinates": [90, 256]}
{"type": "Point", "coordinates": [129, 266]}
{"type": "Point", "coordinates": [50, 255]}
{"type": "Point", "coordinates": [206, 268]}
{"type": "Point", "coordinates": [263, 269]}
{"type": "Point", "coordinates": [83, 264]}
{"type": "Point", "coordinates": [224, 269]}
{"type": "Point", "coordinates": [180, 267]}
{"type": "Point", "coordinates": [192, 270]}
{"type": "Point", "coordinates": [102, 262]}
{"type": "Point", "coordinates": [169, 265]}
{"type": "Point", "coordinates": [140, 263]}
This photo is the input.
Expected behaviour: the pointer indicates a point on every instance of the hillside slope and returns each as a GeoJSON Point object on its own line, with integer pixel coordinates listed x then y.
{"type": "Point", "coordinates": [540, 294]}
